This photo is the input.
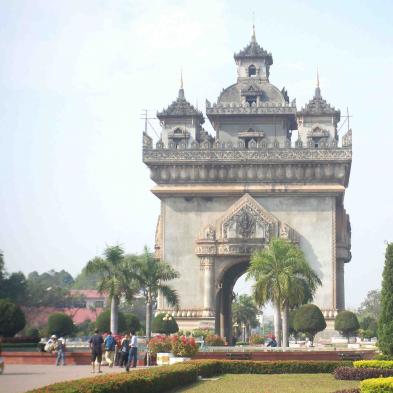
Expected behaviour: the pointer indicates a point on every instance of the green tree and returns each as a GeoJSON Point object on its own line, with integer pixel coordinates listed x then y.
{"type": "Point", "coordinates": [309, 320]}
{"type": "Point", "coordinates": [291, 327]}
{"type": "Point", "coordinates": [371, 305]}
{"type": "Point", "coordinates": [153, 276]}
{"type": "Point", "coordinates": [368, 327]}
{"type": "Point", "coordinates": [86, 280]}
{"type": "Point", "coordinates": [116, 279]}
{"type": "Point", "coordinates": [385, 323]}
{"type": "Point", "coordinates": [245, 311]}
{"type": "Point", "coordinates": [346, 323]}
{"type": "Point", "coordinates": [282, 276]}
{"type": "Point", "coordinates": [60, 324]}
{"type": "Point", "coordinates": [12, 318]}
{"type": "Point", "coordinates": [126, 322]}
{"type": "Point", "coordinates": [165, 324]}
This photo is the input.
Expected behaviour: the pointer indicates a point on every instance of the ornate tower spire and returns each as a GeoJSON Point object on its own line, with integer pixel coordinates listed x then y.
{"type": "Point", "coordinates": [317, 89]}
{"type": "Point", "coordinates": [181, 90]}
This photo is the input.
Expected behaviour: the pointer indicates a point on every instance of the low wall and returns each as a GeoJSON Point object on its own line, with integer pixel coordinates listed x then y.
{"type": "Point", "coordinates": [287, 355]}
{"type": "Point", "coordinates": [84, 357]}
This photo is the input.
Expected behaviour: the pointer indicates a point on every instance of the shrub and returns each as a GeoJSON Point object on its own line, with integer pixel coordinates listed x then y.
{"type": "Point", "coordinates": [381, 356]}
{"type": "Point", "coordinates": [354, 390]}
{"type": "Point", "coordinates": [256, 339]}
{"type": "Point", "coordinates": [202, 333]}
{"type": "Point", "coordinates": [160, 344]}
{"type": "Point", "coordinates": [12, 319]}
{"type": "Point", "coordinates": [385, 364]}
{"type": "Point", "coordinates": [308, 319]}
{"type": "Point", "coordinates": [359, 374]}
{"type": "Point", "coordinates": [32, 332]}
{"type": "Point", "coordinates": [164, 326]}
{"type": "Point", "coordinates": [385, 323]}
{"type": "Point", "coordinates": [184, 346]}
{"type": "Point", "coordinates": [20, 340]}
{"type": "Point", "coordinates": [126, 322]}
{"type": "Point", "coordinates": [60, 324]}
{"type": "Point", "coordinates": [347, 324]}
{"type": "Point", "coordinates": [377, 385]}
{"type": "Point", "coordinates": [213, 340]}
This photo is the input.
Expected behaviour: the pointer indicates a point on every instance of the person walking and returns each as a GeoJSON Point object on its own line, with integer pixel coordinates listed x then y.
{"type": "Point", "coordinates": [124, 350]}
{"type": "Point", "coordinates": [133, 356]}
{"type": "Point", "coordinates": [110, 345]}
{"type": "Point", "coordinates": [96, 342]}
{"type": "Point", "coordinates": [60, 352]}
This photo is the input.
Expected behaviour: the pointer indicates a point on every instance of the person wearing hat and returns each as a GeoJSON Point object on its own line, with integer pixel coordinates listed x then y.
{"type": "Point", "coordinates": [51, 344]}
{"type": "Point", "coordinates": [60, 352]}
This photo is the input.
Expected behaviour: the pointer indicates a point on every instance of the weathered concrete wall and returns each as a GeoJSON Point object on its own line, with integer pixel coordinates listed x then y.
{"type": "Point", "coordinates": [312, 217]}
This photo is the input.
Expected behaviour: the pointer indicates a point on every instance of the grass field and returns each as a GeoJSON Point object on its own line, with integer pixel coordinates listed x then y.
{"type": "Point", "coordinates": [278, 383]}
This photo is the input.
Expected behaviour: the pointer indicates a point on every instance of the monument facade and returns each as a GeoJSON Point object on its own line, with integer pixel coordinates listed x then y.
{"type": "Point", "coordinates": [225, 196]}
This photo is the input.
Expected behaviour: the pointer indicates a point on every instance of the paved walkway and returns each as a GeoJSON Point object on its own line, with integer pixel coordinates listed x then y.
{"type": "Point", "coordinates": [19, 378]}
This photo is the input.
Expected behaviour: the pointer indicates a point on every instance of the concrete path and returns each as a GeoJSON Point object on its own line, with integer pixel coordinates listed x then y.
{"type": "Point", "coordinates": [18, 378]}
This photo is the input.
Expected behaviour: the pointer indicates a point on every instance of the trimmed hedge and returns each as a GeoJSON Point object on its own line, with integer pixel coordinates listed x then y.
{"type": "Point", "coordinates": [152, 380]}
{"type": "Point", "coordinates": [359, 374]}
{"type": "Point", "coordinates": [355, 390]}
{"type": "Point", "coordinates": [165, 378]}
{"type": "Point", "coordinates": [377, 385]}
{"type": "Point", "coordinates": [386, 364]}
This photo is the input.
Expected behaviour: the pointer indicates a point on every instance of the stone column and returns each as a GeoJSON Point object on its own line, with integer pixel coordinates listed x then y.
{"type": "Point", "coordinates": [340, 289]}
{"type": "Point", "coordinates": [207, 267]}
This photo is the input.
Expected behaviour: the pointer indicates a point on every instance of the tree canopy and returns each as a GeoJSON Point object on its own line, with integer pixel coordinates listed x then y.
{"type": "Point", "coordinates": [385, 323]}
{"type": "Point", "coordinates": [309, 320]}
{"type": "Point", "coordinates": [60, 324]}
{"type": "Point", "coordinates": [12, 318]}
{"type": "Point", "coordinates": [346, 323]}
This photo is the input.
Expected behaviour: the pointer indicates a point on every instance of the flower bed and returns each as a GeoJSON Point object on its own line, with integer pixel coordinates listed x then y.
{"type": "Point", "coordinates": [184, 346]}
{"type": "Point", "coordinates": [377, 385]}
{"type": "Point", "coordinates": [359, 374]}
{"type": "Point", "coordinates": [385, 364]}
{"type": "Point", "coordinates": [166, 378]}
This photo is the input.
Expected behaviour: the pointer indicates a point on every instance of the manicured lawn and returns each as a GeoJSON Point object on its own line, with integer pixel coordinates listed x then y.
{"type": "Point", "coordinates": [279, 383]}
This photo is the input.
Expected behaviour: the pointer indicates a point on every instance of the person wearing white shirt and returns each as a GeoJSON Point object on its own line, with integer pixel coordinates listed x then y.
{"type": "Point", "coordinates": [133, 355]}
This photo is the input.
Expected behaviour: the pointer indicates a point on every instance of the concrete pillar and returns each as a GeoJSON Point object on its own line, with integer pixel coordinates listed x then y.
{"type": "Point", "coordinates": [207, 266]}
{"type": "Point", "coordinates": [340, 288]}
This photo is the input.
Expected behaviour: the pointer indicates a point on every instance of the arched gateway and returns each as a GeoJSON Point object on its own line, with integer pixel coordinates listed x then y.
{"type": "Point", "coordinates": [226, 196]}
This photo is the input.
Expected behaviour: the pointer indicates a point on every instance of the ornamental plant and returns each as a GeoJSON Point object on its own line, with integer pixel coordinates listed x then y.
{"type": "Point", "coordinates": [184, 346]}
{"type": "Point", "coordinates": [214, 341]}
{"type": "Point", "coordinates": [160, 344]}
{"type": "Point", "coordinates": [256, 339]}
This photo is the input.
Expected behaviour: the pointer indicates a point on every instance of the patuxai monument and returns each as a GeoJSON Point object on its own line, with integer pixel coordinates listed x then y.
{"type": "Point", "coordinates": [223, 196]}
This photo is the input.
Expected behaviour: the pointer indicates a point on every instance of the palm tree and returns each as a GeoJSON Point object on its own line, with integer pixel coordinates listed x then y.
{"type": "Point", "coordinates": [244, 311]}
{"type": "Point", "coordinates": [116, 278]}
{"type": "Point", "coordinates": [282, 276]}
{"type": "Point", "coordinates": [152, 276]}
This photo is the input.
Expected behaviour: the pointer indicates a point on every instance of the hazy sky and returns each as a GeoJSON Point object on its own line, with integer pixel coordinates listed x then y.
{"type": "Point", "coordinates": [75, 75]}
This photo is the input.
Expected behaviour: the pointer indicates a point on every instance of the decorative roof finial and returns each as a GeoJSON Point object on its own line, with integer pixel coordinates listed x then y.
{"type": "Point", "coordinates": [253, 37]}
{"type": "Point", "coordinates": [181, 90]}
{"type": "Point", "coordinates": [317, 89]}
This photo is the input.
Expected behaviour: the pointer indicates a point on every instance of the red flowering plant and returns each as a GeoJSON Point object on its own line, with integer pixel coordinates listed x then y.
{"type": "Point", "coordinates": [184, 346]}
{"type": "Point", "coordinates": [160, 344]}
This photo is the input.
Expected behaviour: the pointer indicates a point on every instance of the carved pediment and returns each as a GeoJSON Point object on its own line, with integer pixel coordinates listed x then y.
{"type": "Point", "coordinates": [247, 219]}
{"type": "Point", "coordinates": [244, 228]}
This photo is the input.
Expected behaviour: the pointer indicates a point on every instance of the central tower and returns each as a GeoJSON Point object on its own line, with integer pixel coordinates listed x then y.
{"type": "Point", "coordinates": [225, 196]}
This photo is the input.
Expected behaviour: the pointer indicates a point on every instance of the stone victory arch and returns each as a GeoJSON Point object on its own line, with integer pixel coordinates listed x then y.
{"type": "Point", "coordinates": [224, 197]}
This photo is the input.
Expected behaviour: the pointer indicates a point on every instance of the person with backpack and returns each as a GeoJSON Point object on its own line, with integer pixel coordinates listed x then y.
{"type": "Point", "coordinates": [110, 345]}
{"type": "Point", "coordinates": [124, 350]}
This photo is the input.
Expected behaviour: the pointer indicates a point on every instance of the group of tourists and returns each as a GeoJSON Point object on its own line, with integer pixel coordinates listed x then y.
{"type": "Point", "coordinates": [128, 350]}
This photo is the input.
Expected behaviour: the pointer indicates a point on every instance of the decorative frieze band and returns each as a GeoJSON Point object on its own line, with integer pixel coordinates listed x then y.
{"type": "Point", "coordinates": [254, 155]}
{"type": "Point", "coordinates": [247, 172]}
{"type": "Point", "coordinates": [187, 313]}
